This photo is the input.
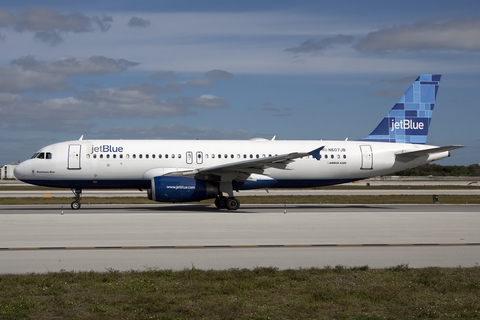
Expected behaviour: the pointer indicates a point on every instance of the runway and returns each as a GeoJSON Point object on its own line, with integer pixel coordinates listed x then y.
{"type": "Point", "coordinates": [124, 237]}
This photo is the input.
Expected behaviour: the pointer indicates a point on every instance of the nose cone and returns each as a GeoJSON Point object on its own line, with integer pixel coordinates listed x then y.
{"type": "Point", "coordinates": [19, 171]}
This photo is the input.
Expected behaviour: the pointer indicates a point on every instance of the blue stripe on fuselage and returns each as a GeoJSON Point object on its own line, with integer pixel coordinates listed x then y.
{"type": "Point", "coordinates": [145, 184]}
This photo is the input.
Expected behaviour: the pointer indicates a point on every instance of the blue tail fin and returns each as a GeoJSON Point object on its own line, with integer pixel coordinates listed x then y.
{"type": "Point", "coordinates": [409, 119]}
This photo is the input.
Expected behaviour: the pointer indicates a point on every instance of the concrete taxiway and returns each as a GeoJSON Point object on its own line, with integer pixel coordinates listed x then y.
{"type": "Point", "coordinates": [43, 238]}
{"type": "Point", "coordinates": [274, 192]}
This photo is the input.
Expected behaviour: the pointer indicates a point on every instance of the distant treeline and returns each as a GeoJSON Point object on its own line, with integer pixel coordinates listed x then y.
{"type": "Point", "coordinates": [439, 170]}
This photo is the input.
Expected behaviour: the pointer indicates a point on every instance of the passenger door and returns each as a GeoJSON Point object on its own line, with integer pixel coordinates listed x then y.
{"type": "Point", "coordinates": [74, 155]}
{"type": "Point", "coordinates": [367, 157]}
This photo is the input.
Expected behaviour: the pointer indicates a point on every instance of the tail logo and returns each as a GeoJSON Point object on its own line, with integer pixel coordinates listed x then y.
{"type": "Point", "coordinates": [406, 125]}
{"type": "Point", "coordinates": [409, 119]}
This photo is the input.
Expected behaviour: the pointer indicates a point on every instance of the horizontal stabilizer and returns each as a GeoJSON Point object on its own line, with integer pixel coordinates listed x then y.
{"type": "Point", "coordinates": [425, 152]}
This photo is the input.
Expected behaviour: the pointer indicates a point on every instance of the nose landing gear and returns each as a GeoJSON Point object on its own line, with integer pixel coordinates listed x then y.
{"type": "Point", "coordinates": [76, 204]}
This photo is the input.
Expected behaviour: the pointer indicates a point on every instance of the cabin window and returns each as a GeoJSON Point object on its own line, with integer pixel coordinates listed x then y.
{"type": "Point", "coordinates": [88, 156]}
{"type": "Point", "coordinates": [140, 156]}
{"type": "Point", "coordinates": [121, 156]}
{"type": "Point", "coordinates": [219, 156]}
{"type": "Point", "coordinates": [127, 156]}
{"type": "Point", "coordinates": [179, 156]}
{"type": "Point", "coordinates": [134, 156]}
{"type": "Point", "coordinates": [159, 156]}
{"type": "Point", "coordinates": [331, 156]}
{"type": "Point", "coordinates": [114, 156]}
{"type": "Point", "coordinates": [173, 156]}
{"type": "Point", "coordinates": [146, 156]}
{"type": "Point", "coordinates": [232, 156]}
{"type": "Point", "coordinates": [108, 156]}
{"type": "Point", "coordinates": [344, 156]}
{"type": "Point", "coordinates": [166, 156]}
{"type": "Point", "coordinates": [258, 156]}
{"type": "Point", "coordinates": [94, 156]}
{"type": "Point", "coordinates": [251, 156]}
{"type": "Point", "coordinates": [245, 156]}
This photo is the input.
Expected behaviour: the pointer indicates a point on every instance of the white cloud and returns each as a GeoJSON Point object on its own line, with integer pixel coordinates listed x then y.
{"type": "Point", "coordinates": [138, 22]}
{"type": "Point", "coordinates": [16, 79]}
{"type": "Point", "coordinates": [47, 24]}
{"type": "Point", "coordinates": [456, 34]}
{"type": "Point", "coordinates": [173, 131]}
{"type": "Point", "coordinates": [219, 74]}
{"type": "Point", "coordinates": [313, 45]}
{"type": "Point", "coordinates": [202, 82]}
{"type": "Point", "coordinates": [210, 101]}
{"type": "Point", "coordinates": [29, 74]}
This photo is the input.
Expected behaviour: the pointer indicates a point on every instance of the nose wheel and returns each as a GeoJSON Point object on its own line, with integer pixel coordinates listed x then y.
{"type": "Point", "coordinates": [75, 205]}
{"type": "Point", "coordinates": [77, 194]}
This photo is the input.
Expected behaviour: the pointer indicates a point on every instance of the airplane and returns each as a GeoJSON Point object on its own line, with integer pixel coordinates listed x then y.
{"type": "Point", "coordinates": [183, 170]}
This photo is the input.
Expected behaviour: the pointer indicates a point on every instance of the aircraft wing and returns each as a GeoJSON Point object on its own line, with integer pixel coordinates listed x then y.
{"type": "Point", "coordinates": [425, 152]}
{"type": "Point", "coordinates": [240, 170]}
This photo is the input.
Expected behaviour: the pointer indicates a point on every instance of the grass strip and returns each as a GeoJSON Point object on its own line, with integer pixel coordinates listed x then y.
{"type": "Point", "coordinates": [310, 199]}
{"type": "Point", "coordinates": [262, 293]}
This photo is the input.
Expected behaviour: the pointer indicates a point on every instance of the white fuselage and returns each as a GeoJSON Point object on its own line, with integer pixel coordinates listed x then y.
{"type": "Point", "coordinates": [133, 163]}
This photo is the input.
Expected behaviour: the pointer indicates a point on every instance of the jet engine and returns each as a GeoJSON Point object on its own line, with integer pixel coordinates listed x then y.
{"type": "Point", "coordinates": [181, 189]}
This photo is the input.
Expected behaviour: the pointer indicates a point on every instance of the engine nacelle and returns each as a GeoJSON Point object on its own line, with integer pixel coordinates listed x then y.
{"type": "Point", "coordinates": [181, 189]}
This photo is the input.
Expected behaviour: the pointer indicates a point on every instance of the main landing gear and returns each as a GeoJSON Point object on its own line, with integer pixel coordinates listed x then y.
{"type": "Point", "coordinates": [230, 203]}
{"type": "Point", "coordinates": [76, 204]}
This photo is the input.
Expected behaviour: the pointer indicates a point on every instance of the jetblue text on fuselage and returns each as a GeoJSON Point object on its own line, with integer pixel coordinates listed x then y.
{"type": "Point", "coordinates": [106, 148]}
{"type": "Point", "coordinates": [407, 124]}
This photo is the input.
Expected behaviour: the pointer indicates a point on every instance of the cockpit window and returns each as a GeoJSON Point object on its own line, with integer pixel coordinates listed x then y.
{"type": "Point", "coordinates": [42, 155]}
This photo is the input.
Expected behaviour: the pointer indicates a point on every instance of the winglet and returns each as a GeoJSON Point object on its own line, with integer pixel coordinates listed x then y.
{"type": "Point", "coordinates": [316, 153]}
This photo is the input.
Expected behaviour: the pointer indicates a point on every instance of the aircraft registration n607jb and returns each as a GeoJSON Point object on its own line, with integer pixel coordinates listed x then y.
{"type": "Point", "coordinates": [182, 171]}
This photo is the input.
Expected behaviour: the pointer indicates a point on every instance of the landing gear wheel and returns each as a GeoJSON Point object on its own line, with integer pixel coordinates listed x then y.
{"type": "Point", "coordinates": [233, 203]}
{"type": "Point", "coordinates": [221, 202]}
{"type": "Point", "coordinates": [75, 205]}
{"type": "Point", "coordinates": [77, 192]}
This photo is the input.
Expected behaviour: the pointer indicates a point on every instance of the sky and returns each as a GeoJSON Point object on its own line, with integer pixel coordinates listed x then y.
{"type": "Point", "coordinates": [174, 69]}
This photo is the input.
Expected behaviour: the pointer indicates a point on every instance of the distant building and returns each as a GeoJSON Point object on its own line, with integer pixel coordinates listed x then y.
{"type": "Point", "coordinates": [6, 172]}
